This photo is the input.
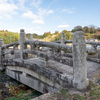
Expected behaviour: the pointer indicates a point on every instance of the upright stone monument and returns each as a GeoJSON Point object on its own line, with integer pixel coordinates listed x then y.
{"type": "Point", "coordinates": [31, 38]}
{"type": "Point", "coordinates": [80, 80]}
{"type": "Point", "coordinates": [62, 41]}
{"type": "Point", "coordinates": [22, 39]}
{"type": "Point", "coordinates": [1, 44]}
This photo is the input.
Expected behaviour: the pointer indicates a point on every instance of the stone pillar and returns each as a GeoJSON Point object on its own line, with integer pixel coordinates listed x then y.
{"type": "Point", "coordinates": [80, 80]}
{"type": "Point", "coordinates": [99, 55]}
{"type": "Point", "coordinates": [1, 44]}
{"type": "Point", "coordinates": [62, 41]}
{"type": "Point", "coordinates": [22, 39]}
{"type": "Point", "coordinates": [16, 54]}
{"type": "Point", "coordinates": [94, 47]}
{"type": "Point", "coordinates": [31, 38]}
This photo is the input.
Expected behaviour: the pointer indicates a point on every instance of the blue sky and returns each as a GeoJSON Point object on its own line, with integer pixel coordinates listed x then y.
{"type": "Point", "coordinates": [39, 16]}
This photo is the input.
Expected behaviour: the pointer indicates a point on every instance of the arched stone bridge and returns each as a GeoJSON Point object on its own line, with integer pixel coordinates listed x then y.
{"type": "Point", "coordinates": [47, 69]}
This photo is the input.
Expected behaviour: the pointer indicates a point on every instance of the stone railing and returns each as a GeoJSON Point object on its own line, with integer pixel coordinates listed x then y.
{"type": "Point", "coordinates": [56, 50]}
{"type": "Point", "coordinates": [93, 50]}
{"type": "Point", "coordinates": [8, 51]}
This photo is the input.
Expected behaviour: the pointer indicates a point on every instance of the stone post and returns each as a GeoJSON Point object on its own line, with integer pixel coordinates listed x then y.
{"type": "Point", "coordinates": [94, 47]}
{"type": "Point", "coordinates": [99, 55]}
{"type": "Point", "coordinates": [22, 39]}
{"type": "Point", "coordinates": [80, 80]}
{"type": "Point", "coordinates": [62, 41]}
{"type": "Point", "coordinates": [16, 55]}
{"type": "Point", "coordinates": [31, 38]}
{"type": "Point", "coordinates": [1, 44]}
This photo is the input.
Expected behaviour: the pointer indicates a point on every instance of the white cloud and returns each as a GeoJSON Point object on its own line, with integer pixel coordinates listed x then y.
{"type": "Point", "coordinates": [27, 30]}
{"type": "Point", "coordinates": [30, 30]}
{"type": "Point", "coordinates": [50, 12]}
{"type": "Point", "coordinates": [0, 17]}
{"type": "Point", "coordinates": [57, 17]}
{"type": "Point", "coordinates": [36, 3]}
{"type": "Point", "coordinates": [38, 21]}
{"type": "Point", "coordinates": [63, 26]}
{"type": "Point", "coordinates": [38, 27]}
{"type": "Point", "coordinates": [37, 18]}
{"type": "Point", "coordinates": [7, 9]}
{"type": "Point", "coordinates": [3, 1]}
{"type": "Point", "coordinates": [11, 1]}
{"type": "Point", "coordinates": [69, 10]}
{"type": "Point", "coordinates": [30, 15]}
{"type": "Point", "coordinates": [42, 12]}
{"type": "Point", "coordinates": [21, 4]}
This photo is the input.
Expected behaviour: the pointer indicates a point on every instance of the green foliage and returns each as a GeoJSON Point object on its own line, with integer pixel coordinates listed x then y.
{"type": "Point", "coordinates": [86, 29]}
{"type": "Point", "coordinates": [35, 35]}
{"type": "Point", "coordinates": [92, 30]}
{"type": "Point", "coordinates": [28, 35]}
{"type": "Point", "coordinates": [46, 34]}
{"type": "Point", "coordinates": [68, 36]}
{"type": "Point", "coordinates": [9, 37]}
{"type": "Point", "coordinates": [65, 31]}
{"type": "Point", "coordinates": [98, 37]}
{"type": "Point", "coordinates": [57, 37]}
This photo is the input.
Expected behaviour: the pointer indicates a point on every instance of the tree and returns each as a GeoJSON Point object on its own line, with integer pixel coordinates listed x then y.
{"type": "Point", "coordinates": [46, 34]}
{"type": "Point", "coordinates": [5, 34]}
{"type": "Point", "coordinates": [86, 29]}
{"type": "Point", "coordinates": [72, 31]}
{"type": "Point", "coordinates": [98, 37]}
{"type": "Point", "coordinates": [92, 29]}
{"type": "Point", "coordinates": [6, 30]}
{"type": "Point", "coordinates": [35, 35]}
{"type": "Point", "coordinates": [28, 35]}
{"type": "Point", "coordinates": [56, 32]}
{"type": "Point", "coordinates": [65, 31]}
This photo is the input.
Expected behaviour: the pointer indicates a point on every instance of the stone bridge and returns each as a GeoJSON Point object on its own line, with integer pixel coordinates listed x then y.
{"type": "Point", "coordinates": [57, 66]}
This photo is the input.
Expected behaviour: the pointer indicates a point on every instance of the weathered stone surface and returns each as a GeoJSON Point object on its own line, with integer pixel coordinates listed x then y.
{"type": "Point", "coordinates": [31, 38]}
{"type": "Point", "coordinates": [11, 44]}
{"type": "Point", "coordinates": [48, 72]}
{"type": "Point", "coordinates": [57, 73]}
{"type": "Point", "coordinates": [78, 28]}
{"type": "Point", "coordinates": [63, 41]}
{"type": "Point", "coordinates": [31, 82]}
{"type": "Point", "coordinates": [49, 44]}
{"type": "Point", "coordinates": [22, 39]}
{"type": "Point", "coordinates": [1, 44]}
{"type": "Point", "coordinates": [79, 59]}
